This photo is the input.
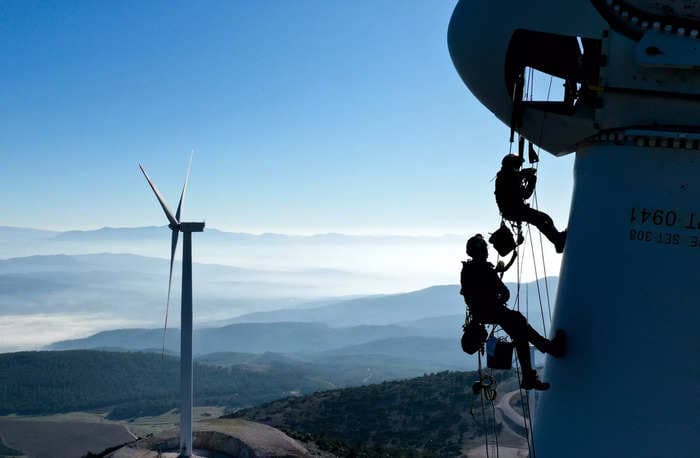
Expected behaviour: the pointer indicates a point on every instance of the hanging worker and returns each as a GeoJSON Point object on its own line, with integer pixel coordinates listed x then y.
{"type": "Point", "coordinates": [486, 297]}
{"type": "Point", "coordinates": [513, 187]}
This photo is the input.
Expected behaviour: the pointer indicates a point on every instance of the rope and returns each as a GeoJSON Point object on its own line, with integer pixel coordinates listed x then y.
{"type": "Point", "coordinates": [527, 420]}
{"type": "Point", "coordinates": [493, 412]}
{"type": "Point", "coordinates": [537, 206]}
{"type": "Point", "coordinates": [483, 410]}
{"type": "Point", "coordinates": [486, 391]}
{"type": "Point", "coordinates": [527, 416]}
{"type": "Point", "coordinates": [544, 264]}
{"type": "Point", "coordinates": [537, 280]}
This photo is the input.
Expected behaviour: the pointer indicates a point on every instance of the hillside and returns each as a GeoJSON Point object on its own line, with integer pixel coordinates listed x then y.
{"type": "Point", "coordinates": [430, 413]}
{"type": "Point", "coordinates": [137, 384]}
{"type": "Point", "coordinates": [131, 384]}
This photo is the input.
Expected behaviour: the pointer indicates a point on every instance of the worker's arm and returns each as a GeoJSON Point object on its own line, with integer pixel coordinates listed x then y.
{"type": "Point", "coordinates": [529, 177]}
{"type": "Point", "coordinates": [501, 268]}
{"type": "Point", "coordinates": [502, 292]}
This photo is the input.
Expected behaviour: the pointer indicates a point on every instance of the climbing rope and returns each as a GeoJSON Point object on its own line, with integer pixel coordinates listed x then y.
{"type": "Point", "coordinates": [544, 264]}
{"type": "Point", "coordinates": [524, 401]}
{"type": "Point", "coordinates": [483, 408]}
{"type": "Point", "coordinates": [487, 392]}
{"type": "Point", "coordinates": [537, 279]}
{"type": "Point", "coordinates": [487, 382]}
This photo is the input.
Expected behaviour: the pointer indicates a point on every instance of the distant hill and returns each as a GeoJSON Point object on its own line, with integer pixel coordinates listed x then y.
{"type": "Point", "coordinates": [22, 234]}
{"type": "Point", "coordinates": [349, 369]}
{"type": "Point", "coordinates": [430, 413]}
{"type": "Point", "coordinates": [436, 308]}
{"type": "Point", "coordinates": [371, 263]}
{"type": "Point", "coordinates": [386, 309]}
{"type": "Point", "coordinates": [432, 353]}
{"type": "Point", "coordinates": [244, 337]}
{"type": "Point", "coordinates": [215, 235]}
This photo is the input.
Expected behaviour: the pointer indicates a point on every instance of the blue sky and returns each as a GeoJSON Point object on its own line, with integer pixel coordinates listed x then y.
{"type": "Point", "coordinates": [305, 117]}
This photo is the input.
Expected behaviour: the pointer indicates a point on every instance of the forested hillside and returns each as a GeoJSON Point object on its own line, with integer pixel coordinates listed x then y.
{"type": "Point", "coordinates": [429, 413]}
{"type": "Point", "coordinates": [136, 384]}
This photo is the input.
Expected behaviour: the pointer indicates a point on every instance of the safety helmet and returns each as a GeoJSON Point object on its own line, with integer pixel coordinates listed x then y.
{"type": "Point", "coordinates": [512, 161]}
{"type": "Point", "coordinates": [476, 246]}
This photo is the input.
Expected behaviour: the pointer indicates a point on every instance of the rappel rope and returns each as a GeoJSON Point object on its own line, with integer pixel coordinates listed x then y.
{"type": "Point", "coordinates": [524, 399]}
{"type": "Point", "coordinates": [544, 264]}
{"type": "Point", "coordinates": [487, 391]}
{"type": "Point", "coordinates": [484, 424]}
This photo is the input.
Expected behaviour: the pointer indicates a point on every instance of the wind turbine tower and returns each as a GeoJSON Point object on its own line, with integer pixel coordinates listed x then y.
{"type": "Point", "coordinates": [187, 228]}
{"type": "Point", "coordinates": [628, 290]}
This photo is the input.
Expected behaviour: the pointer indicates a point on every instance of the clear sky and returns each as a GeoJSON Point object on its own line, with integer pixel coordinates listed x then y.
{"type": "Point", "coordinates": [305, 117]}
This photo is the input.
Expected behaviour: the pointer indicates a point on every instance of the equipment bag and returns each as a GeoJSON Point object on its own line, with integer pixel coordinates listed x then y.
{"type": "Point", "coordinates": [473, 337]}
{"type": "Point", "coordinates": [499, 353]}
{"type": "Point", "coordinates": [503, 240]}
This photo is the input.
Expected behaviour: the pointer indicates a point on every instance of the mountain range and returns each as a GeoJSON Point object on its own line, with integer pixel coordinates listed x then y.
{"type": "Point", "coordinates": [380, 263]}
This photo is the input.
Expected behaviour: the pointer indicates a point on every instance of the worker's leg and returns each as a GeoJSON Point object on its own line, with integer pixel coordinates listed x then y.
{"type": "Point", "coordinates": [541, 221]}
{"type": "Point", "coordinates": [515, 324]}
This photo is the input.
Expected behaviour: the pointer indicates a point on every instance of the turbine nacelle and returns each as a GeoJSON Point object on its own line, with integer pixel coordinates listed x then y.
{"type": "Point", "coordinates": [623, 65]}
{"type": "Point", "coordinates": [192, 227]}
{"type": "Point", "coordinates": [188, 227]}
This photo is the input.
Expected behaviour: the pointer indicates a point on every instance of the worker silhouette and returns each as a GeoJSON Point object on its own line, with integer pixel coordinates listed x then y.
{"type": "Point", "coordinates": [513, 187]}
{"type": "Point", "coordinates": [486, 297]}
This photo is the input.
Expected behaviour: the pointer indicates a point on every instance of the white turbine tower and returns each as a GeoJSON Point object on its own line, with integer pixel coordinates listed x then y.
{"type": "Point", "coordinates": [627, 295]}
{"type": "Point", "coordinates": [176, 226]}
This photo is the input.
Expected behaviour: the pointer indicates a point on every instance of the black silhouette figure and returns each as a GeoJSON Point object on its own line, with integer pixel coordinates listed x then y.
{"type": "Point", "coordinates": [486, 297]}
{"type": "Point", "coordinates": [513, 187]}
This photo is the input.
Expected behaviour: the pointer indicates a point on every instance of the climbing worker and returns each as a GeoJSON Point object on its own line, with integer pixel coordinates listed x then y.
{"type": "Point", "coordinates": [486, 297]}
{"type": "Point", "coordinates": [513, 187]}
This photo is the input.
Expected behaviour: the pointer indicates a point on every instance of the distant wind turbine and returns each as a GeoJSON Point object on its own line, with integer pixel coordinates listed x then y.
{"type": "Point", "coordinates": [176, 226]}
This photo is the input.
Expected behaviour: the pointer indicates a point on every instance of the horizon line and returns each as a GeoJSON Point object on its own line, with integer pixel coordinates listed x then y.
{"type": "Point", "coordinates": [416, 234]}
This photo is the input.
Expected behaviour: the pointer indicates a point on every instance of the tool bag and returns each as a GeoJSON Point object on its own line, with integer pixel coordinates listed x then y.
{"type": "Point", "coordinates": [473, 337]}
{"type": "Point", "coordinates": [503, 240]}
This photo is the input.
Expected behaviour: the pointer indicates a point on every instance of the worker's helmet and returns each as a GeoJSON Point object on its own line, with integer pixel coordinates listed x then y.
{"type": "Point", "coordinates": [512, 161]}
{"type": "Point", "coordinates": [477, 248]}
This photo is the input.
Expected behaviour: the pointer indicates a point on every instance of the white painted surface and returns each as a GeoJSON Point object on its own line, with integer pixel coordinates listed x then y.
{"type": "Point", "coordinates": [630, 383]}
{"type": "Point", "coordinates": [186, 348]}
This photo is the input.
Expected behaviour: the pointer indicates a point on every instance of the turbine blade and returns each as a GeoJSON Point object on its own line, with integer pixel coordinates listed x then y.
{"type": "Point", "coordinates": [168, 214]}
{"type": "Point", "coordinates": [173, 247]}
{"type": "Point", "coordinates": [184, 191]}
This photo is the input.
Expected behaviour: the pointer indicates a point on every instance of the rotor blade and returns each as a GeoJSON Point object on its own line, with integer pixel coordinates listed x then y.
{"type": "Point", "coordinates": [168, 214]}
{"type": "Point", "coordinates": [173, 247]}
{"type": "Point", "coordinates": [184, 191]}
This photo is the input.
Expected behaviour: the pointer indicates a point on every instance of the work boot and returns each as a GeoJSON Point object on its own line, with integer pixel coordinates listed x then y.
{"type": "Point", "coordinates": [531, 382]}
{"type": "Point", "coordinates": [557, 346]}
{"type": "Point", "coordinates": [561, 241]}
